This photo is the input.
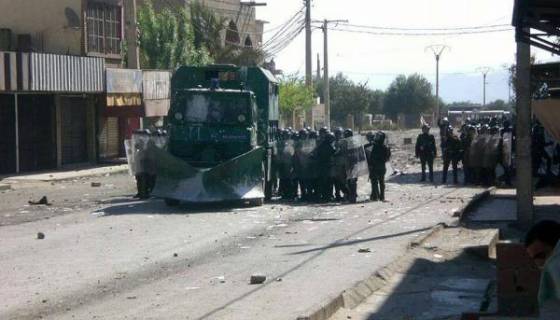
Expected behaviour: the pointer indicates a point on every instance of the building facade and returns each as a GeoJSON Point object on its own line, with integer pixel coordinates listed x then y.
{"type": "Point", "coordinates": [242, 26]}
{"type": "Point", "coordinates": [56, 109]}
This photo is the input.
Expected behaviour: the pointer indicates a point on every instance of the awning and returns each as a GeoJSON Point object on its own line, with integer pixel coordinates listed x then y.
{"type": "Point", "coordinates": [157, 93]}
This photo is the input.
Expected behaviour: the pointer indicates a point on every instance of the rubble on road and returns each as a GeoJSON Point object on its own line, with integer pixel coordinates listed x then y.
{"type": "Point", "coordinates": [96, 184]}
{"type": "Point", "coordinates": [42, 201]}
{"type": "Point", "coordinates": [258, 279]}
{"type": "Point", "coordinates": [40, 235]}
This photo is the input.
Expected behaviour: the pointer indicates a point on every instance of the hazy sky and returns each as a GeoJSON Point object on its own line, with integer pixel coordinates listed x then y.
{"type": "Point", "coordinates": [378, 59]}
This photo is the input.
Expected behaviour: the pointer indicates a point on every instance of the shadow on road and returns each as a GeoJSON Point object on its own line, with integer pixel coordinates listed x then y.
{"type": "Point", "coordinates": [353, 242]}
{"type": "Point", "coordinates": [158, 207]}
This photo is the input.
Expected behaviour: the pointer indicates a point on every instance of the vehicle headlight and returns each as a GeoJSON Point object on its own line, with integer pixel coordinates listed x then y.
{"type": "Point", "coordinates": [179, 116]}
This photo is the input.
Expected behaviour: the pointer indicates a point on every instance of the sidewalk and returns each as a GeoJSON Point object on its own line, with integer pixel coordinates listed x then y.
{"type": "Point", "coordinates": [440, 279]}
{"type": "Point", "coordinates": [63, 175]}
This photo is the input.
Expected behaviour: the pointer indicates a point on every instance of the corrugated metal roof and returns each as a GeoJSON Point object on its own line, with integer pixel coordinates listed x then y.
{"type": "Point", "coordinates": [61, 73]}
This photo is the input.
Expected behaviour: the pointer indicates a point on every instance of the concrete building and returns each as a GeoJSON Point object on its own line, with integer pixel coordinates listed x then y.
{"type": "Point", "coordinates": [55, 107]}
{"type": "Point", "coordinates": [243, 28]}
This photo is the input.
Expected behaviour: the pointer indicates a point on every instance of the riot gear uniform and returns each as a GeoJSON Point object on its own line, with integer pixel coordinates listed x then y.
{"type": "Point", "coordinates": [452, 154]}
{"type": "Point", "coordinates": [426, 151]}
{"type": "Point", "coordinates": [324, 157]}
{"type": "Point", "coordinates": [351, 182]}
{"type": "Point", "coordinates": [380, 155]}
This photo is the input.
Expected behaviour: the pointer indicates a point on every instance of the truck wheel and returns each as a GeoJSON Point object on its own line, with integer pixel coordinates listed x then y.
{"type": "Point", "coordinates": [172, 202]}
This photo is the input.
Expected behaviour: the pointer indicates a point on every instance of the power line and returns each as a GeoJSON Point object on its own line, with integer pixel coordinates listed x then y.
{"type": "Point", "coordinates": [427, 29]}
{"type": "Point", "coordinates": [420, 34]}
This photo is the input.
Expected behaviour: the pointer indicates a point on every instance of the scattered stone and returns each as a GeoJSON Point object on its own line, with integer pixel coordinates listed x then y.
{"type": "Point", "coordinates": [43, 201]}
{"type": "Point", "coordinates": [278, 279]}
{"type": "Point", "coordinates": [40, 235]}
{"type": "Point", "coordinates": [44, 301]}
{"type": "Point", "coordinates": [131, 298]}
{"type": "Point", "coordinates": [96, 184]}
{"type": "Point", "coordinates": [258, 279]}
{"type": "Point", "coordinates": [364, 250]}
{"type": "Point", "coordinates": [175, 255]}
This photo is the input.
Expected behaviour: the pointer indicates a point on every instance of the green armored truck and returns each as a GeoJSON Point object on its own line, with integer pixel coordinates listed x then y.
{"type": "Point", "coordinates": [222, 128]}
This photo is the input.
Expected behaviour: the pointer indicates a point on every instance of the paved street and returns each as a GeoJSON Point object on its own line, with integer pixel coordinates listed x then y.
{"type": "Point", "coordinates": [106, 256]}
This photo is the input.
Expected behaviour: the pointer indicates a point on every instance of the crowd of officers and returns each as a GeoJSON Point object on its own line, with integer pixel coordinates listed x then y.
{"type": "Point", "coordinates": [323, 167]}
{"type": "Point", "coordinates": [480, 146]}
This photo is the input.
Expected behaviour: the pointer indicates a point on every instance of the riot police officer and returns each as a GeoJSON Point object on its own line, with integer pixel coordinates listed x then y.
{"type": "Point", "coordinates": [426, 151]}
{"type": "Point", "coordinates": [380, 155]}
{"type": "Point", "coordinates": [351, 184]}
{"type": "Point", "coordinates": [285, 165]}
{"type": "Point", "coordinates": [324, 156]}
{"type": "Point", "coordinates": [339, 173]}
{"type": "Point", "coordinates": [451, 155]}
{"type": "Point", "coordinates": [466, 141]}
{"type": "Point", "coordinates": [145, 166]}
{"type": "Point", "coordinates": [301, 165]}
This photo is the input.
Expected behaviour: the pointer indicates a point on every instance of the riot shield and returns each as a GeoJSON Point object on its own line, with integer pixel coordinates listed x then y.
{"type": "Point", "coordinates": [476, 151]}
{"type": "Point", "coordinates": [507, 148]}
{"type": "Point", "coordinates": [285, 159]}
{"type": "Point", "coordinates": [138, 157]}
{"type": "Point", "coordinates": [238, 179]}
{"type": "Point", "coordinates": [303, 160]}
{"type": "Point", "coordinates": [355, 157]}
{"type": "Point", "coordinates": [491, 152]}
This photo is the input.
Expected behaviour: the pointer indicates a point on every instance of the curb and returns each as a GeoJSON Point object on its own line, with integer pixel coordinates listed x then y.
{"type": "Point", "coordinates": [353, 296]}
{"type": "Point", "coordinates": [5, 187]}
{"type": "Point", "coordinates": [69, 177]}
{"type": "Point", "coordinates": [475, 201]}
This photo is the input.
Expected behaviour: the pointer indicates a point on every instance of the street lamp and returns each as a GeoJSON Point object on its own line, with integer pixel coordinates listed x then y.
{"type": "Point", "coordinates": [437, 50]}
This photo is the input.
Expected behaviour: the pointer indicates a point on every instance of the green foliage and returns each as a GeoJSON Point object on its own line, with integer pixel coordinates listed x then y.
{"type": "Point", "coordinates": [208, 30]}
{"type": "Point", "coordinates": [348, 97]}
{"type": "Point", "coordinates": [409, 95]}
{"type": "Point", "coordinates": [167, 40]}
{"type": "Point", "coordinates": [294, 95]}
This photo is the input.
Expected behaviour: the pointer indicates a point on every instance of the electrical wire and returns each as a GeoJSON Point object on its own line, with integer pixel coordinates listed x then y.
{"type": "Point", "coordinates": [426, 29]}
{"type": "Point", "coordinates": [419, 34]}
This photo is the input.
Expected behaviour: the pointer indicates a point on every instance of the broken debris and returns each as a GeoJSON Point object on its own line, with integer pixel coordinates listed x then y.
{"type": "Point", "coordinates": [258, 279]}
{"type": "Point", "coordinates": [42, 201]}
{"type": "Point", "coordinates": [364, 250]}
{"type": "Point", "coordinates": [96, 184]}
{"type": "Point", "coordinates": [40, 235]}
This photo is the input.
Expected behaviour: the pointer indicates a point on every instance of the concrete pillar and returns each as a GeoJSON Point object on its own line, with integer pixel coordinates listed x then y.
{"type": "Point", "coordinates": [525, 214]}
{"type": "Point", "coordinates": [131, 34]}
{"type": "Point", "coordinates": [58, 126]}
{"type": "Point", "coordinates": [91, 129]}
{"type": "Point", "coordinates": [16, 116]}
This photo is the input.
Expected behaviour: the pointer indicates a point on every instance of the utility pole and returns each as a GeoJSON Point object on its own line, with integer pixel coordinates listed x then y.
{"type": "Point", "coordinates": [318, 68]}
{"type": "Point", "coordinates": [131, 34]}
{"type": "Point", "coordinates": [485, 71]}
{"type": "Point", "coordinates": [327, 91]}
{"type": "Point", "coordinates": [524, 185]}
{"type": "Point", "coordinates": [437, 50]}
{"type": "Point", "coordinates": [308, 47]}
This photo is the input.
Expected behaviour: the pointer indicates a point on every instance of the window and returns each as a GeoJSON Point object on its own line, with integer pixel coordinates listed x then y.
{"type": "Point", "coordinates": [232, 34]}
{"type": "Point", "coordinates": [104, 31]}
{"type": "Point", "coordinates": [248, 42]}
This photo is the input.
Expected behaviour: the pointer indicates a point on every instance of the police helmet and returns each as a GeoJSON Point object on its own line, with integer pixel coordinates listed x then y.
{"type": "Point", "coordinates": [348, 133]}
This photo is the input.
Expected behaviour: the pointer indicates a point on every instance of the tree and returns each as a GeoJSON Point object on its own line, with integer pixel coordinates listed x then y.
{"type": "Point", "coordinates": [409, 95]}
{"type": "Point", "coordinates": [376, 100]}
{"type": "Point", "coordinates": [294, 96]}
{"type": "Point", "coordinates": [208, 30]}
{"type": "Point", "coordinates": [167, 40]}
{"type": "Point", "coordinates": [350, 98]}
